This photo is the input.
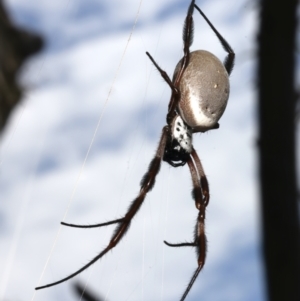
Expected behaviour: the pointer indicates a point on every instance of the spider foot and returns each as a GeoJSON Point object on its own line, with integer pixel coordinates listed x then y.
{"type": "Point", "coordinates": [94, 226]}
{"type": "Point", "coordinates": [184, 244]}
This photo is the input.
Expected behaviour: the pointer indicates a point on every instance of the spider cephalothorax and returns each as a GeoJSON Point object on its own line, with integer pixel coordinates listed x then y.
{"type": "Point", "coordinates": [179, 143]}
{"type": "Point", "coordinates": [200, 91]}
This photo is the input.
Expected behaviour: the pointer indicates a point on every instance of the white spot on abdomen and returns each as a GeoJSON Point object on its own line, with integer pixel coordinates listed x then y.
{"type": "Point", "coordinates": [201, 119]}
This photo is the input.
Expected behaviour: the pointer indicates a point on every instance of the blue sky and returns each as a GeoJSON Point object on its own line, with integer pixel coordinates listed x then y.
{"type": "Point", "coordinates": [44, 147]}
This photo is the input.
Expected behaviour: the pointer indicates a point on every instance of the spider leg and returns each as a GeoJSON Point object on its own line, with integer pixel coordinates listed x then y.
{"type": "Point", "coordinates": [184, 244]}
{"type": "Point", "coordinates": [95, 225]}
{"type": "Point", "coordinates": [229, 60]}
{"type": "Point", "coordinates": [201, 196]}
{"type": "Point", "coordinates": [193, 279]}
{"type": "Point", "coordinates": [147, 184]}
{"type": "Point", "coordinates": [163, 74]}
{"type": "Point", "coordinates": [202, 176]}
{"type": "Point", "coordinates": [187, 35]}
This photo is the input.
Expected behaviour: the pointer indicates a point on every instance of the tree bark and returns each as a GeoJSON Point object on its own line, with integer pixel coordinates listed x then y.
{"type": "Point", "coordinates": [16, 45]}
{"type": "Point", "coordinates": [277, 149]}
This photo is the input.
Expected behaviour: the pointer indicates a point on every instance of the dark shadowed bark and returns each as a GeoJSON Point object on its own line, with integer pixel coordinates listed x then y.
{"type": "Point", "coordinates": [277, 148]}
{"type": "Point", "coordinates": [16, 45]}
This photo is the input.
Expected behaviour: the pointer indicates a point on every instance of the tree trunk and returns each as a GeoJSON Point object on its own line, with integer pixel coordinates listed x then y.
{"type": "Point", "coordinates": [277, 150]}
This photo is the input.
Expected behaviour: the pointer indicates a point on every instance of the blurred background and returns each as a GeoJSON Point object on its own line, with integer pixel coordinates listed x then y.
{"type": "Point", "coordinates": [77, 146]}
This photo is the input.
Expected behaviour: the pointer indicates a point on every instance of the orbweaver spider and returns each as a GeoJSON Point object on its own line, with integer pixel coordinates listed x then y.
{"type": "Point", "coordinates": [200, 91]}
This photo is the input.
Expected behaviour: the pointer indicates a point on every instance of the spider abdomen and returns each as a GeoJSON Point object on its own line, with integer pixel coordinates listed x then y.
{"type": "Point", "coordinates": [204, 89]}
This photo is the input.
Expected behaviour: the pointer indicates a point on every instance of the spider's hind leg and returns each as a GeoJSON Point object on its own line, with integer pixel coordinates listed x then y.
{"type": "Point", "coordinates": [201, 197]}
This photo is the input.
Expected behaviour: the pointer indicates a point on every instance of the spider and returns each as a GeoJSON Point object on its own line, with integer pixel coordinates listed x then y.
{"type": "Point", "coordinates": [200, 91]}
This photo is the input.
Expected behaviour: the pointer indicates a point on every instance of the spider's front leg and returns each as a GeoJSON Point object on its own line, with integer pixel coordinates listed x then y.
{"type": "Point", "coordinates": [188, 33]}
{"type": "Point", "coordinates": [201, 197]}
{"type": "Point", "coordinates": [147, 184]}
{"type": "Point", "coordinates": [229, 60]}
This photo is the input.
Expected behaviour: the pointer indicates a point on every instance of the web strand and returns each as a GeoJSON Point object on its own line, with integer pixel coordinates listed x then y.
{"type": "Point", "coordinates": [92, 142]}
